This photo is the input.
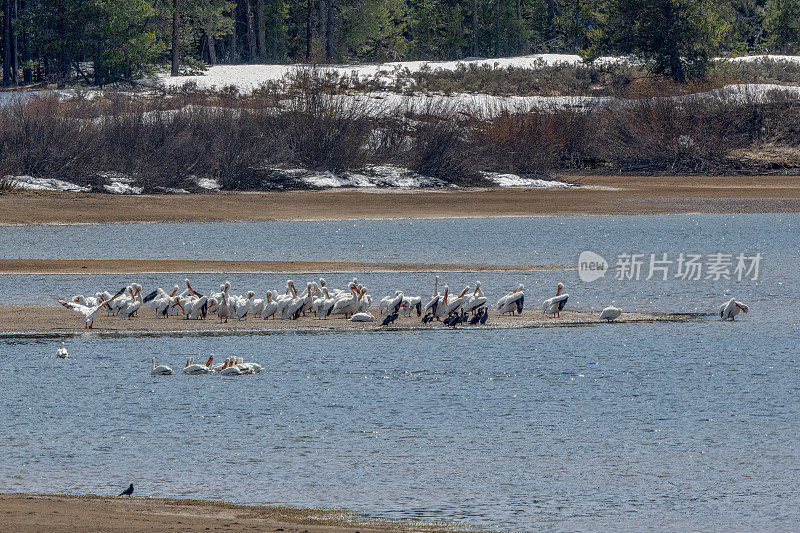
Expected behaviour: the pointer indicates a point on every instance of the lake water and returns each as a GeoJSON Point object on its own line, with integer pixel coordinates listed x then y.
{"type": "Point", "coordinates": [669, 426]}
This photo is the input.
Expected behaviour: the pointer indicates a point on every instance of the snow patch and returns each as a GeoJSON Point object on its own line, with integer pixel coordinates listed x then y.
{"type": "Point", "coordinates": [172, 190]}
{"type": "Point", "coordinates": [247, 78]}
{"type": "Point", "coordinates": [513, 180]}
{"type": "Point", "coordinates": [45, 184]}
{"type": "Point", "coordinates": [209, 184]}
{"type": "Point", "coordinates": [121, 185]}
{"type": "Point", "coordinates": [386, 176]}
{"type": "Point", "coordinates": [765, 57]}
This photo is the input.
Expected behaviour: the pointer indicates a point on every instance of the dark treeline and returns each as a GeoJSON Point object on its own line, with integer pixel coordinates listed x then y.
{"type": "Point", "coordinates": [101, 41]}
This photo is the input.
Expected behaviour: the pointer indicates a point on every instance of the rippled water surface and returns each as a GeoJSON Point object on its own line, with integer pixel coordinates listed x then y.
{"type": "Point", "coordinates": [669, 426]}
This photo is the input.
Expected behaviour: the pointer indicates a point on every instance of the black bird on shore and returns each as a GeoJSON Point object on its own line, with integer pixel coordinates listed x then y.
{"type": "Point", "coordinates": [475, 319]}
{"type": "Point", "coordinates": [128, 491]}
{"type": "Point", "coordinates": [484, 316]}
{"type": "Point", "coordinates": [451, 320]}
{"type": "Point", "coordinates": [389, 319]}
{"type": "Point", "coordinates": [427, 318]}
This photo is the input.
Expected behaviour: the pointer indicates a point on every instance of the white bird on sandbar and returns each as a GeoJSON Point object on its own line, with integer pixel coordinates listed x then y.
{"type": "Point", "coordinates": [476, 300]}
{"type": "Point", "coordinates": [90, 313]}
{"type": "Point", "coordinates": [731, 308]}
{"type": "Point", "coordinates": [512, 302]}
{"type": "Point", "coordinates": [610, 313]}
{"type": "Point", "coordinates": [554, 306]}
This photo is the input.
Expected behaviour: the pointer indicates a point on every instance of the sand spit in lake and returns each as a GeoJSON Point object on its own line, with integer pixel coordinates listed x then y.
{"type": "Point", "coordinates": [46, 319]}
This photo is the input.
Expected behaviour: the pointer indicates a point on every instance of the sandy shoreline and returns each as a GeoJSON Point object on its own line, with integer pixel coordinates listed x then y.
{"type": "Point", "coordinates": [599, 195]}
{"type": "Point", "coordinates": [23, 513]}
{"type": "Point", "coordinates": [47, 319]}
{"type": "Point", "coordinates": [147, 266]}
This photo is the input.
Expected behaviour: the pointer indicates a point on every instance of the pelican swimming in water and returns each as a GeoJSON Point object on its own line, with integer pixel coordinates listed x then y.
{"type": "Point", "coordinates": [194, 369]}
{"type": "Point", "coordinates": [90, 313]}
{"type": "Point", "coordinates": [62, 352]}
{"type": "Point", "coordinates": [610, 313]}
{"type": "Point", "coordinates": [554, 306]}
{"type": "Point", "coordinates": [160, 370]}
{"type": "Point", "coordinates": [731, 308]}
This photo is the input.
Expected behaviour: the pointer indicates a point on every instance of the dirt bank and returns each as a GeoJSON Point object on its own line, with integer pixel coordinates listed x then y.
{"type": "Point", "coordinates": [597, 195]}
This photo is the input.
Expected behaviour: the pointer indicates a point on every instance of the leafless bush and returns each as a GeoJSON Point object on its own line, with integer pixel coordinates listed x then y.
{"type": "Point", "coordinates": [244, 141]}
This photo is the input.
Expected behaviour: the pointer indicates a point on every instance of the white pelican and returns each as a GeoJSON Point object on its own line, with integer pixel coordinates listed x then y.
{"type": "Point", "coordinates": [610, 313]}
{"type": "Point", "coordinates": [409, 304]}
{"type": "Point", "coordinates": [223, 308]}
{"type": "Point", "coordinates": [160, 370]}
{"type": "Point", "coordinates": [731, 308]}
{"type": "Point", "coordinates": [195, 309]}
{"type": "Point", "coordinates": [62, 352]}
{"type": "Point", "coordinates": [194, 369]}
{"type": "Point", "coordinates": [231, 368]}
{"type": "Point", "coordinates": [391, 304]}
{"type": "Point", "coordinates": [130, 306]}
{"type": "Point", "coordinates": [554, 306]}
{"type": "Point", "coordinates": [476, 300]}
{"type": "Point", "coordinates": [455, 304]}
{"type": "Point", "coordinates": [90, 313]}
{"type": "Point", "coordinates": [433, 303]}
{"type": "Point", "coordinates": [512, 302]}
{"type": "Point", "coordinates": [365, 302]}
{"type": "Point", "coordinates": [270, 306]}
{"type": "Point", "coordinates": [439, 309]}
{"type": "Point", "coordinates": [362, 317]}
{"type": "Point", "coordinates": [323, 305]}
{"type": "Point", "coordinates": [348, 304]}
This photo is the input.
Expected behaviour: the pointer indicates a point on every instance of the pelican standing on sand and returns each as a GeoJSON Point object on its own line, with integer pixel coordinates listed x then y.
{"type": "Point", "coordinates": [554, 306]}
{"type": "Point", "coordinates": [90, 313]}
{"type": "Point", "coordinates": [610, 313]}
{"type": "Point", "coordinates": [513, 301]}
{"type": "Point", "coordinates": [731, 308]}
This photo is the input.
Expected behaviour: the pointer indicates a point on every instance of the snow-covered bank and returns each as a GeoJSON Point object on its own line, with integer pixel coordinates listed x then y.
{"type": "Point", "coordinates": [29, 183]}
{"type": "Point", "coordinates": [247, 78]}
{"type": "Point", "coordinates": [372, 177]}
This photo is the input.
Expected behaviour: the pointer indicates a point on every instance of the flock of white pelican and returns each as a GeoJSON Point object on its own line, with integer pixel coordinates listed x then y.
{"type": "Point", "coordinates": [470, 306]}
{"type": "Point", "coordinates": [317, 299]}
{"type": "Point", "coordinates": [232, 366]}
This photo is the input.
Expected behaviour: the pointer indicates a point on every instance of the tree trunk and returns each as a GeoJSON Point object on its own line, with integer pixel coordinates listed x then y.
{"type": "Point", "coordinates": [27, 75]}
{"type": "Point", "coordinates": [262, 31]}
{"type": "Point", "coordinates": [251, 32]}
{"type": "Point", "coordinates": [551, 19]}
{"type": "Point", "coordinates": [496, 28]}
{"type": "Point", "coordinates": [15, 46]}
{"type": "Point", "coordinates": [329, 32]}
{"type": "Point", "coordinates": [233, 56]}
{"type": "Point", "coordinates": [7, 42]}
{"type": "Point", "coordinates": [176, 45]}
{"type": "Point", "coordinates": [212, 49]}
{"type": "Point", "coordinates": [474, 28]}
{"type": "Point", "coordinates": [309, 9]}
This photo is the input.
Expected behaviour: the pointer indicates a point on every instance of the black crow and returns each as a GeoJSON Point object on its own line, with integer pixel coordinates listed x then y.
{"type": "Point", "coordinates": [128, 491]}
